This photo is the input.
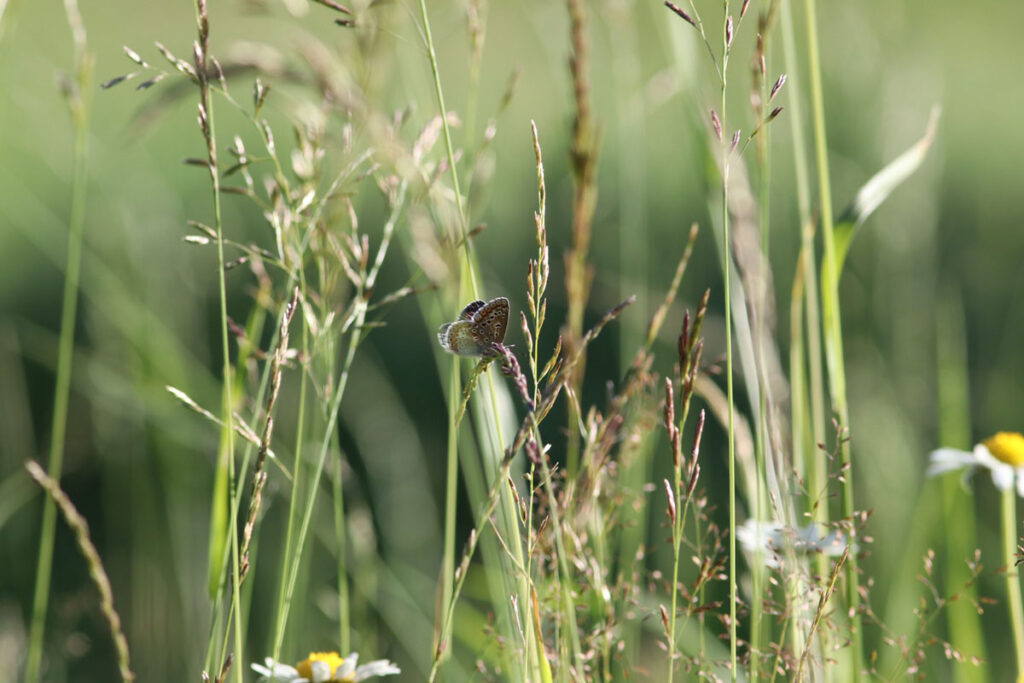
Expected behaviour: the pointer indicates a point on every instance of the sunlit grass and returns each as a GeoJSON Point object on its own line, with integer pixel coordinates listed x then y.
{"type": "Point", "coordinates": [638, 481]}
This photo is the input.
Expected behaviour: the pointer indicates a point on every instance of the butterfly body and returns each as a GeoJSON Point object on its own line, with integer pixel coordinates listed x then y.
{"type": "Point", "coordinates": [480, 324]}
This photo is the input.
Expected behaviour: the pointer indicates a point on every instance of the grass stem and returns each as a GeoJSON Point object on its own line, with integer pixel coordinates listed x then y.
{"type": "Point", "coordinates": [726, 276]}
{"type": "Point", "coordinates": [468, 277]}
{"type": "Point", "coordinates": [833, 329]}
{"type": "Point", "coordinates": [77, 93]}
{"type": "Point", "coordinates": [1014, 603]}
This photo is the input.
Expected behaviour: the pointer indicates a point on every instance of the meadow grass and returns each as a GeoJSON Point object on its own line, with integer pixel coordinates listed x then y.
{"type": "Point", "coordinates": [645, 485]}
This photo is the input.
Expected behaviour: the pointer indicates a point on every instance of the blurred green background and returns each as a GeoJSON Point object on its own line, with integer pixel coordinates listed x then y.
{"type": "Point", "coordinates": [139, 467]}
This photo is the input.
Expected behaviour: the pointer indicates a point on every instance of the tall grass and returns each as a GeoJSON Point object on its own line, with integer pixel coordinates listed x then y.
{"type": "Point", "coordinates": [77, 91]}
{"type": "Point", "coordinates": [665, 502]}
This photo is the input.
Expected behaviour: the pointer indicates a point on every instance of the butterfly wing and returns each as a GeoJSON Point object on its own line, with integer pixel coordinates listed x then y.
{"type": "Point", "coordinates": [479, 325]}
{"type": "Point", "coordinates": [491, 322]}
{"type": "Point", "coordinates": [443, 334]}
{"type": "Point", "coordinates": [471, 308]}
{"type": "Point", "coordinates": [458, 338]}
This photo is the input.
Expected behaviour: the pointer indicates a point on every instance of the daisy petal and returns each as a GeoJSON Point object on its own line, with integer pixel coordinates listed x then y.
{"type": "Point", "coordinates": [380, 667]}
{"type": "Point", "coordinates": [948, 459]}
{"type": "Point", "coordinates": [276, 671]}
{"type": "Point", "coordinates": [1002, 476]}
{"type": "Point", "coordinates": [321, 671]}
{"type": "Point", "coordinates": [348, 666]}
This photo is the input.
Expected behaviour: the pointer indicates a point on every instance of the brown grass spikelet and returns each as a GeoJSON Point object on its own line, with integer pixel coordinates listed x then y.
{"type": "Point", "coordinates": [679, 12]}
{"type": "Point", "coordinates": [80, 527]}
{"type": "Point", "coordinates": [716, 123]}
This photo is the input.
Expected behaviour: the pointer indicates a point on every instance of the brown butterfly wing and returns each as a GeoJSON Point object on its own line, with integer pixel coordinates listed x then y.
{"type": "Point", "coordinates": [471, 308]}
{"type": "Point", "coordinates": [491, 321]}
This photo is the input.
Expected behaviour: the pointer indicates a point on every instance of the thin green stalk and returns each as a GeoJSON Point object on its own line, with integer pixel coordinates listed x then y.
{"type": "Point", "coordinates": [634, 239]}
{"type": "Point", "coordinates": [536, 293]}
{"type": "Point", "coordinates": [676, 541]}
{"type": "Point", "coordinates": [833, 329]}
{"type": "Point", "coordinates": [220, 573]}
{"type": "Point", "coordinates": [528, 569]}
{"type": "Point", "coordinates": [448, 608]}
{"type": "Point", "coordinates": [229, 504]}
{"type": "Point", "coordinates": [725, 150]}
{"type": "Point", "coordinates": [361, 296]}
{"type": "Point", "coordinates": [794, 104]}
{"type": "Point", "coordinates": [325, 447]}
{"type": "Point", "coordinates": [454, 378]}
{"type": "Point", "coordinates": [757, 568]}
{"type": "Point", "coordinates": [958, 528]}
{"type": "Point", "coordinates": [344, 637]}
{"type": "Point", "coordinates": [805, 362]}
{"type": "Point", "coordinates": [208, 127]}
{"type": "Point", "coordinates": [689, 361]}
{"type": "Point", "coordinates": [219, 547]}
{"type": "Point", "coordinates": [804, 451]}
{"type": "Point", "coordinates": [564, 576]}
{"type": "Point", "coordinates": [678, 527]}
{"type": "Point", "coordinates": [732, 452]}
{"type": "Point", "coordinates": [498, 484]}
{"type": "Point", "coordinates": [467, 275]}
{"type": "Point", "coordinates": [1014, 603]}
{"type": "Point", "coordinates": [583, 154]}
{"type": "Point", "coordinates": [511, 529]}
{"type": "Point", "coordinates": [815, 472]}
{"type": "Point", "coordinates": [77, 94]}
{"type": "Point", "coordinates": [497, 471]}
{"type": "Point", "coordinates": [224, 508]}
{"type": "Point", "coordinates": [287, 556]}
{"type": "Point", "coordinates": [450, 495]}
{"type": "Point", "coordinates": [451, 467]}
{"type": "Point", "coordinates": [726, 270]}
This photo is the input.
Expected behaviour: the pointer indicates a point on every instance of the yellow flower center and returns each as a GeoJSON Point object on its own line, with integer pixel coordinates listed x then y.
{"type": "Point", "coordinates": [1007, 447]}
{"type": "Point", "coordinates": [331, 659]}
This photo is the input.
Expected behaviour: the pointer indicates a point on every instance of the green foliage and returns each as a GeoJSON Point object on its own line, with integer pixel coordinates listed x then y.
{"type": "Point", "coordinates": [353, 176]}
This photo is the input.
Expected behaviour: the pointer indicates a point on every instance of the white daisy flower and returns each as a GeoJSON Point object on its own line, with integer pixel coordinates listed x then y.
{"type": "Point", "coordinates": [770, 538]}
{"type": "Point", "coordinates": [324, 667]}
{"type": "Point", "coordinates": [1002, 455]}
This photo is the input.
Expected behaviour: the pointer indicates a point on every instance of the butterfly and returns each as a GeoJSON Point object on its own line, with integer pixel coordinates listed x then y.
{"type": "Point", "coordinates": [479, 325]}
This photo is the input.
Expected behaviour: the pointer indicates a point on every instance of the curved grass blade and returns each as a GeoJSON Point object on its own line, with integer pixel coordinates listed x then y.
{"type": "Point", "coordinates": [877, 190]}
